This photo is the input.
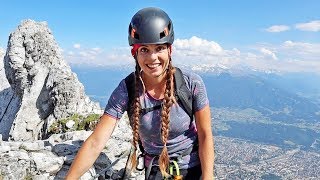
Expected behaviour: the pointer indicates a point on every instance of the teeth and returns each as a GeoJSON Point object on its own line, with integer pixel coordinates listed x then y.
{"type": "Point", "coordinates": [153, 65]}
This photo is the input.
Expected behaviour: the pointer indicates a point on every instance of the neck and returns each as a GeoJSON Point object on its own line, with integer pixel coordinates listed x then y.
{"type": "Point", "coordinates": [154, 82]}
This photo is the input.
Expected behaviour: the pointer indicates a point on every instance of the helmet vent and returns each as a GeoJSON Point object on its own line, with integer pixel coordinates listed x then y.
{"type": "Point", "coordinates": [164, 33]}
{"type": "Point", "coordinates": [133, 33]}
{"type": "Point", "coordinates": [136, 36]}
{"type": "Point", "coordinates": [169, 26]}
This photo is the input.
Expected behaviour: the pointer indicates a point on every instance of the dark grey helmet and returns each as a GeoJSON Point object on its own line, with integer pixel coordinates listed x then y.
{"type": "Point", "coordinates": [150, 26]}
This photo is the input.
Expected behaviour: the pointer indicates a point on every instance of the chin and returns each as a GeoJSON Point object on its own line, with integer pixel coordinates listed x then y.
{"type": "Point", "coordinates": [155, 73]}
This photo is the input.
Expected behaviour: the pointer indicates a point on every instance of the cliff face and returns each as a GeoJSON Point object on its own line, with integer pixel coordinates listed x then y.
{"type": "Point", "coordinates": [8, 101]}
{"type": "Point", "coordinates": [42, 87]}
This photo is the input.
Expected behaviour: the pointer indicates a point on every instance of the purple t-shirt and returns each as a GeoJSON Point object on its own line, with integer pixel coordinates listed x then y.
{"type": "Point", "coordinates": [182, 135]}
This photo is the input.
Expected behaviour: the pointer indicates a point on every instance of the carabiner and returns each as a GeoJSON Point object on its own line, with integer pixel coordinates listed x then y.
{"type": "Point", "coordinates": [177, 176]}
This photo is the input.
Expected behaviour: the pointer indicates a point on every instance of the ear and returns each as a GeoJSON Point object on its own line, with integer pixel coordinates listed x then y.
{"type": "Point", "coordinates": [170, 50]}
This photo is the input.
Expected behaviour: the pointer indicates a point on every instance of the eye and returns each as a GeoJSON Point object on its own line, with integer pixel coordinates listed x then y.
{"type": "Point", "coordinates": [144, 50]}
{"type": "Point", "coordinates": [161, 48]}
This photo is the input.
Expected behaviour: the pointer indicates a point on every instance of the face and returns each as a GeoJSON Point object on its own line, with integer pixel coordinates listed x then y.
{"type": "Point", "coordinates": [153, 59]}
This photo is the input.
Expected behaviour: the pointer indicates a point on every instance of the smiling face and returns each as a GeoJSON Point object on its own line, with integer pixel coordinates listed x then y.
{"type": "Point", "coordinates": [153, 59]}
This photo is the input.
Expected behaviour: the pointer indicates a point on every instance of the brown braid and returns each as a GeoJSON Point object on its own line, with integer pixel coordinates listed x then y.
{"type": "Point", "coordinates": [135, 119]}
{"type": "Point", "coordinates": [165, 120]}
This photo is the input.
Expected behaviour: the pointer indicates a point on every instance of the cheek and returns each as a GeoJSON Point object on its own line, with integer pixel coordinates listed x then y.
{"type": "Point", "coordinates": [140, 62]}
{"type": "Point", "coordinates": [165, 60]}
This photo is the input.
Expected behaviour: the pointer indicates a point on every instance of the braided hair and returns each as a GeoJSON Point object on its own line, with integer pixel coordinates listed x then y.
{"type": "Point", "coordinates": [165, 119]}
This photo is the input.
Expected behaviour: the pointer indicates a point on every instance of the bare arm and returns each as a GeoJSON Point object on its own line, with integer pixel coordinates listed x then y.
{"type": "Point", "coordinates": [206, 150]}
{"type": "Point", "coordinates": [92, 147]}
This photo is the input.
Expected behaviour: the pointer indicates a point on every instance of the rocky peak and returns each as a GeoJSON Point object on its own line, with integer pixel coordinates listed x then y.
{"type": "Point", "coordinates": [43, 87]}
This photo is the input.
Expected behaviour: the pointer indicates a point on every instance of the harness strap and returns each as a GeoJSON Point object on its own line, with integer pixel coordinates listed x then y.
{"type": "Point", "coordinates": [182, 93]}
{"type": "Point", "coordinates": [186, 152]}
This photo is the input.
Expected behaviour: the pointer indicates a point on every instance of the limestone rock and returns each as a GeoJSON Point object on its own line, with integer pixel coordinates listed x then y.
{"type": "Point", "coordinates": [47, 162]}
{"type": "Point", "coordinates": [8, 101]}
{"type": "Point", "coordinates": [42, 87]}
{"type": "Point", "coordinates": [51, 158]}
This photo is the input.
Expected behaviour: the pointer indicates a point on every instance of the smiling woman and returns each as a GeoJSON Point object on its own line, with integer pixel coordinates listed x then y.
{"type": "Point", "coordinates": [173, 132]}
{"type": "Point", "coordinates": [153, 59]}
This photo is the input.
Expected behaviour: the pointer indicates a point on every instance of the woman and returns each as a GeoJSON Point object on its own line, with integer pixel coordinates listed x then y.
{"type": "Point", "coordinates": [167, 134]}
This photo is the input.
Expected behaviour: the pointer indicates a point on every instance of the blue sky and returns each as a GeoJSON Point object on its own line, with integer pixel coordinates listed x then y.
{"type": "Point", "coordinates": [262, 35]}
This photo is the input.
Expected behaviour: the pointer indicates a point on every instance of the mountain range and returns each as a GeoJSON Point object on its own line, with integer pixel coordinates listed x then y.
{"type": "Point", "coordinates": [292, 95]}
{"type": "Point", "coordinates": [273, 108]}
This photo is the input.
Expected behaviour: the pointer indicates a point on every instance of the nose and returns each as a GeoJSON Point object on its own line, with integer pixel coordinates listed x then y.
{"type": "Point", "coordinates": [154, 55]}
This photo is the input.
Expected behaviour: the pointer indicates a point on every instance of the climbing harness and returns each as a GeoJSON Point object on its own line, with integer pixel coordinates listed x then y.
{"type": "Point", "coordinates": [174, 160]}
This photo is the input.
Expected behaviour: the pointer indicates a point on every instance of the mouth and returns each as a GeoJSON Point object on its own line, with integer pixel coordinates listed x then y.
{"type": "Point", "coordinates": [152, 66]}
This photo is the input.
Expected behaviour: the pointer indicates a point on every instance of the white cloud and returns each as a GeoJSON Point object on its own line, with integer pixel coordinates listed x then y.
{"type": "Point", "coordinates": [77, 46]}
{"type": "Point", "coordinates": [310, 26]}
{"type": "Point", "coordinates": [269, 53]}
{"type": "Point", "coordinates": [84, 54]}
{"type": "Point", "coordinates": [289, 56]}
{"type": "Point", "coordinates": [70, 53]}
{"type": "Point", "coordinates": [301, 50]}
{"type": "Point", "coordinates": [202, 54]}
{"type": "Point", "coordinates": [236, 51]}
{"type": "Point", "coordinates": [96, 49]}
{"type": "Point", "coordinates": [99, 57]}
{"type": "Point", "coordinates": [197, 46]}
{"type": "Point", "coordinates": [278, 28]}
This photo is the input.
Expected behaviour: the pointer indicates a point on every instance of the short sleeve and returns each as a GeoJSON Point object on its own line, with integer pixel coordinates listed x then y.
{"type": "Point", "coordinates": [199, 92]}
{"type": "Point", "coordinates": [118, 101]}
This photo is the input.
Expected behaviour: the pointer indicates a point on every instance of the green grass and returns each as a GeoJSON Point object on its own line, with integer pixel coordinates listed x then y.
{"type": "Point", "coordinates": [80, 123]}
